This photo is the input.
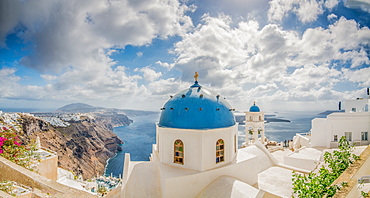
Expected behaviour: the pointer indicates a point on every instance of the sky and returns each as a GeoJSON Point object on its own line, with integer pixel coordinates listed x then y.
{"type": "Point", "coordinates": [287, 55]}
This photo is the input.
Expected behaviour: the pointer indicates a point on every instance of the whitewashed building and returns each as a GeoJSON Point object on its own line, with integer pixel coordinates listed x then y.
{"type": "Point", "coordinates": [196, 155]}
{"type": "Point", "coordinates": [354, 124]}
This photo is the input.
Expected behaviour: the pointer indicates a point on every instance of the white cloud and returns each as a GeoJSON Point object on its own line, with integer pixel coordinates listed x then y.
{"type": "Point", "coordinates": [149, 74]}
{"type": "Point", "coordinates": [73, 42]}
{"type": "Point", "coordinates": [9, 82]}
{"type": "Point", "coordinates": [12, 89]}
{"type": "Point", "coordinates": [306, 10]}
{"type": "Point", "coordinates": [330, 4]}
{"type": "Point", "coordinates": [311, 77]}
{"type": "Point", "coordinates": [67, 33]}
{"type": "Point", "coordinates": [343, 41]}
{"type": "Point", "coordinates": [49, 77]}
{"type": "Point", "coordinates": [164, 64]}
{"type": "Point", "coordinates": [261, 89]}
{"type": "Point", "coordinates": [309, 10]}
{"type": "Point", "coordinates": [165, 86]}
{"type": "Point", "coordinates": [359, 4]}
{"type": "Point", "coordinates": [361, 76]}
{"type": "Point", "coordinates": [283, 65]}
{"type": "Point", "coordinates": [243, 61]}
{"type": "Point", "coordinates": [139, 54]}
{"type": "Point", "coordinates": [279, 9]}
{"type": "Point", "coordinates": [332, 17]}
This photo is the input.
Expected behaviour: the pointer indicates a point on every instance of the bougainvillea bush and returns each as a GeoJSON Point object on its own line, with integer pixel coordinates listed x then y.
{"type": "Point", "coordinates": [14, 150]}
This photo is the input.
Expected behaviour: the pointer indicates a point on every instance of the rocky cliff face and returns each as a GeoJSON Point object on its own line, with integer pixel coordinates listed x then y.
{"type": "Point", "coordinates": [84, 146]}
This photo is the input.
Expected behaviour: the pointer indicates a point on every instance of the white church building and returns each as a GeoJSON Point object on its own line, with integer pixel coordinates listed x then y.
{"type": "Point", "coordinates": [196, 154]}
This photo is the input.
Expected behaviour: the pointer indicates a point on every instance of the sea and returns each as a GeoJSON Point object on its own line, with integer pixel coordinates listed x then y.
{"type": "Point", "coordinates": [139, 136]}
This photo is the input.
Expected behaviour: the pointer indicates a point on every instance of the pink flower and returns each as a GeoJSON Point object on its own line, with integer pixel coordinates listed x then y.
{"type": "Point", "coordinates": [1, 151]}
{"type": "Point", "coordinates": [16, 143]}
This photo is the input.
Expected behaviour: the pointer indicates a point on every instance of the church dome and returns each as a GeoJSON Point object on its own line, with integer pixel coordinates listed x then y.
{"type": "Point", "coordinates": [196, 108]}
{"type": "Point", "coordinates": [254, 108]}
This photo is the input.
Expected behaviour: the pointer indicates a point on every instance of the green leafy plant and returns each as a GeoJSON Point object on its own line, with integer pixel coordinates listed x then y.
{"type": "Point", "coordinates": [364, 194]}
{"type": "Point", "coordinates": [320, 184]}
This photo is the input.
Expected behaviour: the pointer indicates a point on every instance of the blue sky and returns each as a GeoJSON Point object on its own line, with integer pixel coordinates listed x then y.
{"type": "Point", "coordinates": [283, 54]}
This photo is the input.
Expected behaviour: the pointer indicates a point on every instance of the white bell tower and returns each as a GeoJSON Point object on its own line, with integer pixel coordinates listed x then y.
{"type": "Point", "coordinates": [254, 124]}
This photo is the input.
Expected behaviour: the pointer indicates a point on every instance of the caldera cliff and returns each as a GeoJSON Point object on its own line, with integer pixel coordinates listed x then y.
{"type": "Point", "coordinates": [83, 146]}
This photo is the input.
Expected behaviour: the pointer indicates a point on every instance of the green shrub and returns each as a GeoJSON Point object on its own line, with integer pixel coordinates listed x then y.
{"type": "Point", "coordinates": [320, 184]}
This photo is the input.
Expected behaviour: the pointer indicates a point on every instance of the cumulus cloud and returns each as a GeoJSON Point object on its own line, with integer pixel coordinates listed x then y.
{"type": "Point", "coordinates": [332, 17]}
{"type": "Point", "coordinates": [359, 4]}
{"type": "Point", "coordinates": [261, 89]}
{"type": "Point", "coordinates": [283, 65]}
{"type": "Point", "coordinates": [12, 89]}
{"type": "Point", "coordinates": [72, 41]}
{"type": "Point", "coordinates": [49, 77]}
{"type": "Point", "coordinates": [149, 74]}
{"type": "Point", "coordinates": [67, 33]}
{"type": "Point", "coordinates": [361, 76]}
{"type": "Point", "coordinates": [164, 64]}
{"type": "Point", "coordinates": [165, 86]}
{"type": "Point", "coordinates": [279, 9]}
{"type": "Point", "coordinates": [311, 77]}
{"type": "Point", "coordinates": [9, 82]}
{"type": "Point", "coordinates": [306, 10]}
{"type": "Point", "coordinates": [330, 4]}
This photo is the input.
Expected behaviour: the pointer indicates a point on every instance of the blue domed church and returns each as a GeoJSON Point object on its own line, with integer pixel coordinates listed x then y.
{"type": "Point", "coordinates": [196, 152]}
{"type": "Point", "coordinates": [201, 127]}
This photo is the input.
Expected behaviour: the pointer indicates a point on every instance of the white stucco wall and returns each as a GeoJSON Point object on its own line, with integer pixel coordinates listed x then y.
{"type": "Point", "coordinates": [191, 185]}
{"type": "Point", "coordinates": [301, 141]}
{"type": "Point", "coordinates": [303, 161]}
{"type": "Point", "coordinates": [324, 129]}
{"type": "Point", "coordinates": [199, 146]}
{"type": "Point", "coordinates": [349, 122]}
{"type": "Point", "coordinates": [359, 104]}
{"type": "Point", "coordinates": [319, 132]}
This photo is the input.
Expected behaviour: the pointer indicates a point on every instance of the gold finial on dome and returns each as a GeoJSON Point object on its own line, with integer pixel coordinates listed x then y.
{"type": "Point", "coordinates": [254, 103]}
{"type": "Point", "coordinates": [196, 76]}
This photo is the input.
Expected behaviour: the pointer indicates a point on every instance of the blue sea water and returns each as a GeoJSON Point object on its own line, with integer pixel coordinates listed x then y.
{"type": "Point", "coordinates": [138, 138]}
{"type": "Point", "coordinates": [140, 135]}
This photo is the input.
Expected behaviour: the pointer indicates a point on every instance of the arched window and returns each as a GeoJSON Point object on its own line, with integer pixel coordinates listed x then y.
{"type": "Point", "coordinates": [220, 151]}
{"type": "Point", "coordinates": [178, 152]}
